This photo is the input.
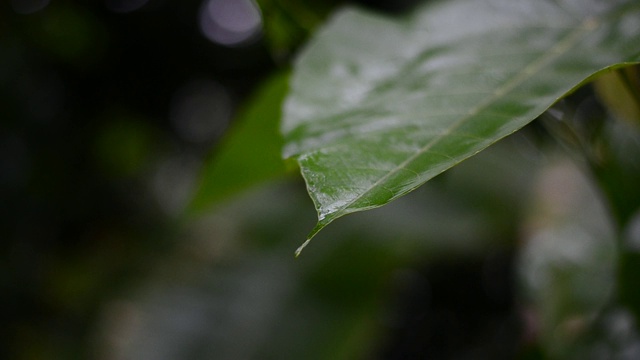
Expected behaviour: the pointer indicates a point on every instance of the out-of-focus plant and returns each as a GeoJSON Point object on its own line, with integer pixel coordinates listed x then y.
{"type": "Point", "coordinates": [379, 106]}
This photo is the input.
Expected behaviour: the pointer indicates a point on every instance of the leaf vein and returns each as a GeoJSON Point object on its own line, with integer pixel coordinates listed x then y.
{"type": "Point", "coordinates": [527, 72]}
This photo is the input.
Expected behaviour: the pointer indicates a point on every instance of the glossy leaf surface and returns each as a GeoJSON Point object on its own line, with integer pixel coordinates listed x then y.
{"type": "Point", "coordinates": [379, 106]}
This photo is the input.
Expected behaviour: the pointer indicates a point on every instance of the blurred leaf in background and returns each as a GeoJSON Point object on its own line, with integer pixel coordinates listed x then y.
{"type": "Point", "coordinates": [106, 110]}
{"type": "Point", "coordinates": [134, 225]}
{"type": "Point", "coordinates": [250, 152]}
{"type": "Point", "coordinates": [382, 285]}
{"type": "Point", "coordinates": [619, 90]}
{"type": "Point", "coordinates": [288, 23]}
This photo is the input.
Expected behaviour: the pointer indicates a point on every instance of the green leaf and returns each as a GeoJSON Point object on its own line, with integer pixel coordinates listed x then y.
{"type": "Point", "coordinates": [250, 152]}
{"type": "Point", "coordinates": [379, 106]}
{"type": "Point", "coordinates": [620, 90]}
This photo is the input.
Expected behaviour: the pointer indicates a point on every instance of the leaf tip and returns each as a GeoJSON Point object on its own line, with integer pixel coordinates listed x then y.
{"type": "Point", "coordinates": [299, 249]}
{"type": "Point", "coordinates": [313, 233]}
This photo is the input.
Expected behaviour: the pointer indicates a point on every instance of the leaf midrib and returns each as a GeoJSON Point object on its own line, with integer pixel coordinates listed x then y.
{"type": "Point", "coordinates": [560, 48]}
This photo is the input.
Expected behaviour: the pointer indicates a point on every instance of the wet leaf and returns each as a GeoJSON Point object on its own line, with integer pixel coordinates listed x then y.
{"type": "Point", "coordinates": [379, 106]}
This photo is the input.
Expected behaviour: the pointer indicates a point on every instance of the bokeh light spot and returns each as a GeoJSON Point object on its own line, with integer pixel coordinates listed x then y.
{"type": "Point", "coordinates": [200, 110]}
{"type": "Point", "coordinates": [230, 22]}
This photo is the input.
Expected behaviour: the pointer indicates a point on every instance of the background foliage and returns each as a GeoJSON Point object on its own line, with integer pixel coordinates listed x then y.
{"type": "Point", "coordinates": [113, 115]}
